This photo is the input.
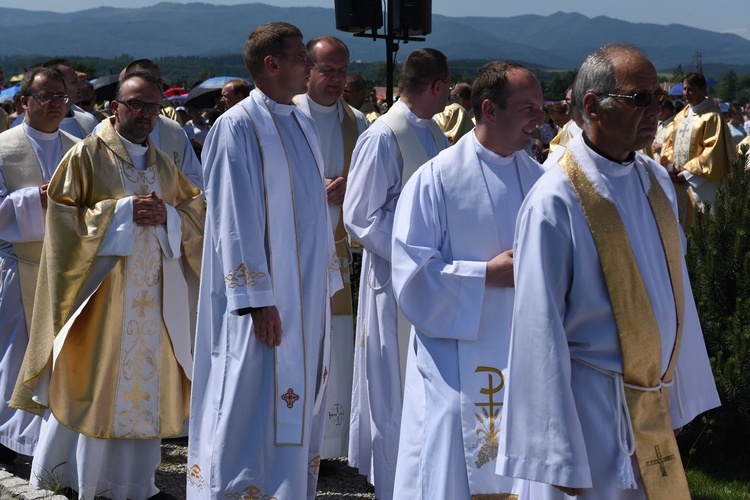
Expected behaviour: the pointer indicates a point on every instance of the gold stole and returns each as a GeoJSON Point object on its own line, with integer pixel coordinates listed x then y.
{"type": "Point", "coordinates": [21, 169]}
{"type": "Point", "coordinates": [647, 397]}
{"type": "Point", "coordinates": [342, 300]}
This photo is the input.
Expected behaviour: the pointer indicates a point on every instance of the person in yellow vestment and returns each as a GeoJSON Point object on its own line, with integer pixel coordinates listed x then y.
{"type": "Point", "coordinates": [109, 356]}
{"type": "Point", "coordinates": [698, 153]}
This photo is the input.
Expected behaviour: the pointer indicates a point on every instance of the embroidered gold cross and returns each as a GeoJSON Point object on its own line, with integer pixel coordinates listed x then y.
{"type": "Point", "coordinates": [142, 304]}
{"type": "Point", "coordinates": [136, 396]}
{"type": "Point", "coordinates": [290, 397]}
{"type": "Point", "coordinates": [660, 460]}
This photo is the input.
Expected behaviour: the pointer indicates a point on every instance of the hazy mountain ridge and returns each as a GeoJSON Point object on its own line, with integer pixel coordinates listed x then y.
{"type": "Point", "coordinates": [169, 29]}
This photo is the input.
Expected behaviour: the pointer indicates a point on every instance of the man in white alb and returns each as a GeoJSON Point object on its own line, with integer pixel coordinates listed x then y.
{"type": "Point", "coordinates": [453, 277]}
{"type": "Point", "coordinates": [387, 154]}
{"type": "Point", "coordinates": [29, 154]}
{"type": "Point", "coordinates": [269, 270]}
{"type": "Point", "coordinates": [607, 355]}
{"type": "Point", "coordinates": [339, 125]}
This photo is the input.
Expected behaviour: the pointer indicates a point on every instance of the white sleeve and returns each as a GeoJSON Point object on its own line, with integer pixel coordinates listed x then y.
{"type": "Point", "coordinates": [120, 235]}
{"type": "Point", "coordinates": [440, 296]}
{"type": "Point", "coordinates": [372, 189]}
{"type": "Point", "coordinates": [21, 214]}
{"type": "Point", "coordinates": [543, 437]}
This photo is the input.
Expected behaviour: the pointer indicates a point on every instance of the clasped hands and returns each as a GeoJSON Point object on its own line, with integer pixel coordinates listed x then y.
{"type": "Point", "coordinates": [149, 210]}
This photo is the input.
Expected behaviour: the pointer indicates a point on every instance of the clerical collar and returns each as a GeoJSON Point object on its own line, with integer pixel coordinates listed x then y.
{"type": "Point", "coordinates": [695, 108]}
{"type": "Point", "coordinates": [320, 108]}
{"type": "Point", "coordinates": [277, 107]}
{"type": "Point", "coordinates": [134, 147]}
{"type": "Point", "coordinates": [38, 134]}
{"type": "Point", "coordinates": [412, 118]}
{"type": "Point", "coordinates": [491, 157]}
{"type": "Point", "coordinates": [604, 155]}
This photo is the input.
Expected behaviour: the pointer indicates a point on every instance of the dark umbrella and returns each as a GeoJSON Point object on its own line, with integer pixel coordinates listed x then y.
{"type": "Point", "coordinates": [207, 93]}
{"type": "Point", "coordinates": [105, 87]}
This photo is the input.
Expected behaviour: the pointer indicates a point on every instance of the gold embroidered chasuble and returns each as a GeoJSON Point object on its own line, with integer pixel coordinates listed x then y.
{"type": "Point", "coordinates": [454, 121]}
{"type": "Point", "coordinates": [21, 169]}
{"type": "Point", "coordinates": [646, 389]}
{"type": "Point", "coordinates": [711, 145]}
{"type": "Point", "coordinates": [105, 385]}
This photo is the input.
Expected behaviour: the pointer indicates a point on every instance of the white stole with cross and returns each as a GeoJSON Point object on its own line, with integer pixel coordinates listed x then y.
{"type": "Point", "coordinates": [284, 261]}
{"type": "Point", "coordinates": [474, 236]}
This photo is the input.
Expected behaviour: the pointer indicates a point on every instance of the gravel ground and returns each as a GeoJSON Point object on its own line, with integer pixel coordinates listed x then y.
{"type": "Point", "coordinates": [343, 483]}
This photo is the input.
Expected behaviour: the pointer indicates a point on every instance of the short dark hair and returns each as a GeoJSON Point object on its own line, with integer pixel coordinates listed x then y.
{"type": "Point", "coordinates": [695, 79]}
{"type": "Point", "coordinates": [356, 82]}
{"type": "Point", "coordinates": [463, 90]}
{"type": "Point", "coordinates": [240, 86]}
{"type": "Point", "coordinates": [490, 83]}
{"type": "Point", "coordinates": [141, 64]}
{"type": "Point", "coordinates": [266, 40]}
{"type": "Point", "coordinates": [28, 78]}
{"type": "Point", "coordinates": [136, 74]}
{"type": "Point", "coordinates": [421, 69]}
{"type": "Point", "coordinates": [57, 63]}
{"type": "Point", "coordinates": [331, 40]}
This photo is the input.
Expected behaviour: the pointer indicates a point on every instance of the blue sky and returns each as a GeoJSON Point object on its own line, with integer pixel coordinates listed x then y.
{"type": "Point", "coordinates": [723, 16]}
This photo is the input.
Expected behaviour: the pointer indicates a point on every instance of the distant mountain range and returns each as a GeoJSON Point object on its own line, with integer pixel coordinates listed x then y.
{"type": "Point", "coordinates": [560, 40]}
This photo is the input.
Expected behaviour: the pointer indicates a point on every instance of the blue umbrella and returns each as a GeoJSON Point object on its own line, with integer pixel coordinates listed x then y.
{"type": "Point", "coordinates": [677, 89]}
{"type": "Point", "coordinates": [7, 94]}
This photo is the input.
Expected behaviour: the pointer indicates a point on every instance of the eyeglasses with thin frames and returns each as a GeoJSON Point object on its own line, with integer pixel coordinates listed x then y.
{"type": "Point", "coordinates": [301, 57]}
{"type": "Point", "coordinates": [641, 99]}
{"type": "Point", "coordinates": [47, 97]}
{"type": "Point", "coordinates": [451, 84]}
{"type": "Point", "coordinates": [136, 106]}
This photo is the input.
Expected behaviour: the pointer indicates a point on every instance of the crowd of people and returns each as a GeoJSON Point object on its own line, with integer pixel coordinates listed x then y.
{"type": "Point", "coordinates": [525, 326]}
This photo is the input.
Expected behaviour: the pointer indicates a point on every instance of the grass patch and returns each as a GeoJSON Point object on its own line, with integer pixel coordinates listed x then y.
{"type": "Point", "coordinates": [706, 487]}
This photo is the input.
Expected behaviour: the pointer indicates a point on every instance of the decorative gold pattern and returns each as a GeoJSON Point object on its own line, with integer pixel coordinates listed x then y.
{"type": "Point", "coordinates": [250, 493]}
{"type": "Point", "coordinates": [195, 476]}
{"type": "Point", "coordinates": [142, 303]}
{"type": "Point", "coordinates": [313, 466]}
{"type": "Point", "coordinates": [289, 398]}
{"type": "Point", "coordinates": [489, 418]}
{"type": "Point", "coordinates": [136, 404]}
{"type": "Point", "coordinates": [240, 277]}
{"type": "Point", "coordinates": [637, 326]}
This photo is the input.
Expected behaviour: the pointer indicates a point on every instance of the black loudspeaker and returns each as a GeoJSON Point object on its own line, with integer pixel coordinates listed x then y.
{"type": "Point", "coordinates": [412, 17]}
{"type": "Point", "coordinates": [356, 16]}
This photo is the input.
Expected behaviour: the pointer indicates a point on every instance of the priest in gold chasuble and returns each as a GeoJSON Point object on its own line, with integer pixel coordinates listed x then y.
{"type": "Point", "coordinates": [607, 355]}
{"type": "Point", "coordinates": [109, 356]}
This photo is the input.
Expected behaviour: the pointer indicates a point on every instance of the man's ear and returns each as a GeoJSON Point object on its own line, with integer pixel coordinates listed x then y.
{"type": "Point", "coordinates": [271, 65]}
{"type": "Point", "coordinates": [489, 112]}
{"type": "Point", "coordinates": [25, 101]}
{"type": "Point", "coordinates": [591, 107]}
